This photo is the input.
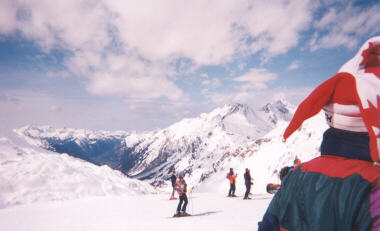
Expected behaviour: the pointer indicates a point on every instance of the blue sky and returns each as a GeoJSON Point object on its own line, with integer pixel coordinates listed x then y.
{"type": "Point", "coordinates": [141, 65]}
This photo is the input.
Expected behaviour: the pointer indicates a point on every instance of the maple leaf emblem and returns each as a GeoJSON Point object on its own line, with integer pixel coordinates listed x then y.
{"type": "Point", "coordinates": [372, 114]}
{"type": "Point", "coordinates": [371, 61]}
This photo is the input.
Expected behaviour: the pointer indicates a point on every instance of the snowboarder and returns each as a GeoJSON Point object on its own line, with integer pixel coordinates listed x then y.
{"type": "Point", "coordinates": [339, 190]}
{"type": "Point", "coordinates": [173, 179]}
{"type": "Point", "coordinates": [248, 183]}
{"type": "Point", "coordinates": [232, 178]}
{"type": "Point", "coordinates": [181, 188]}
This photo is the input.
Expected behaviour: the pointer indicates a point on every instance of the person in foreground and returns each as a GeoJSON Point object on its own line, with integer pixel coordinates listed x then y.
{"type": "Point", "coordinates": [181, 187]}
{"type": "Point", "coordinates": [339, 190]}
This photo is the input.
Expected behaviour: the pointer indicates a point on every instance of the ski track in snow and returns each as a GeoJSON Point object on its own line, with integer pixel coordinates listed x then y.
{"type": "Point", "coordinates": [148, 212]}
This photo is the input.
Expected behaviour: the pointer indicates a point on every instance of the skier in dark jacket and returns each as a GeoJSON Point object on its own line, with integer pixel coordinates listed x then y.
{"type": "Point", "coordinates": [173, 179]}
{"type": "Point", "coordinates": [340, 190]}
{"type": "Point", "coordinates": [181, 188]}
{"type": "Point", "coordinates": [232, 178]}
{"type": "Point", "coordinates": [248, 183]}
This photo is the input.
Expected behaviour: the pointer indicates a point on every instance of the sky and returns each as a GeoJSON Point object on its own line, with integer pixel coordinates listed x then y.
{"type": "Point", "coordinates": [142, 65]}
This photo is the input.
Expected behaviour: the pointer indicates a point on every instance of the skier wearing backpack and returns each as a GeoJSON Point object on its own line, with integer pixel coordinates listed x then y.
{"type": "Point", "coordinates": [181, 188]}
{"type": "Point", "coordinates": [339, 190]}
{"type": "Point", "coordinates": [232, 178]}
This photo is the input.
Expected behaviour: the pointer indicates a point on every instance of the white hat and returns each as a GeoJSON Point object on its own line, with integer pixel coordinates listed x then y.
{"type": "Point", "coordinates": [350, 99]}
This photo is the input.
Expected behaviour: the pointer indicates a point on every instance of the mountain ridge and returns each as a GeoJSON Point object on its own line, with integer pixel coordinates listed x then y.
{"type": "Point", "coordinates": [191, 145]}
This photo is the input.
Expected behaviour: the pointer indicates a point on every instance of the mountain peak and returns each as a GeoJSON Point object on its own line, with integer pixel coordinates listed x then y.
{"type": "Point", "coordinates": [279, 109]}
{"type": "Point", "coordinates": [236, 108]}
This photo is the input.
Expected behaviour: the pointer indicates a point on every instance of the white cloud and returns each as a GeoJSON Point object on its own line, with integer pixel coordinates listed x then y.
{"type": "Point", "coordinates": [119, 42]}
{"type": "Point", "coordinates": [214, 82]}
{"type": "Point", "coordinates": [261, 97]}
{"type": "Point", "coordinates": [55, 108]}
{"type": "Point", "coordinates": [43, 108]}
{"type": "Point", "coordinates": [345, 25]}
{"type": "Point", "coordinates": [256, 78]}
{"type": "Point", "coordinates": [241, 66]}
{"type": "Point", "coordinates": [139, 87]}
{"type": "Point", "coordinates": [294, 65]}
{"type": "Point", "coordinates": [206, 82]}
{"type": "Point", "coordinates": [204, 75]}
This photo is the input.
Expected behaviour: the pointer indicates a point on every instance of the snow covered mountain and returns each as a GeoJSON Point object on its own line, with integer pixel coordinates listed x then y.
{"type": "Point", "coordinates": [98, 147]}
{"type": "Point", "coordinates": [194, 145]}
{"type": "Point", "coordinates": [29, 174]}
{"type": "Point", "coordinates": [266, 156]}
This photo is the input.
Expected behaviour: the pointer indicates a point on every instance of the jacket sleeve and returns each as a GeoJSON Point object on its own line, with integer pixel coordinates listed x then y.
{"type": "Point", "coordinates": [270, 220]}
{"type": "Point", "coordinates": [372, 222]}
{"type": "Point", "coordinates": [375, 205]}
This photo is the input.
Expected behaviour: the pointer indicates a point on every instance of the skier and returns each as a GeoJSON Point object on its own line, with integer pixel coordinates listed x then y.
{"type": "Point", "coordinates": [339, 190]}
{"type": "Point", "coordinates": [232, 178]}
{"type": "Point", "coordinates": [173, 179]}
{"type": "Point", "coordinates": [248, 183]}
{"type": "Point", "coordinates": [296, 162]}
{"type": "Point", "coordinates": [273, 188]}
{"type": "Point", "coordinates": [181, 188]}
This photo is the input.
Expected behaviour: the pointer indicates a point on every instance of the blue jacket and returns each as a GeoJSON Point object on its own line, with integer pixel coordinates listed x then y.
{"type": "Point", "coordinates": [331, 192]}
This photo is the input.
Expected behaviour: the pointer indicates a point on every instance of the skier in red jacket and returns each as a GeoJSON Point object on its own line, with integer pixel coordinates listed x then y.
{"type": "Point", "coordinates": [181, 187]}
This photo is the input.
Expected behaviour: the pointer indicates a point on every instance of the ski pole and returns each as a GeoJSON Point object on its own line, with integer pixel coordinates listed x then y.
{"type": "Point", "coordinates": [191, 199]}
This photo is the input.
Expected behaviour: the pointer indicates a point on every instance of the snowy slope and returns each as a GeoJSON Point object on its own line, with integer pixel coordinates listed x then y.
{"type": "Point", "coordinates": [266, 156]}
{"type": "Point", "coordinates": [195, 145]}
{"type": "Point", "coordinates": [29, 174]}
{"type": "Point", "coordinates": [137, 213]}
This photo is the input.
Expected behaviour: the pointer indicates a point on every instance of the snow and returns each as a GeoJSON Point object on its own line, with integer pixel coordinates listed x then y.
{"type": "Point", "coordinates": [208, 145]}
{"type": "Point", "coordinates": [265, 157]}
{"type": "Point", "coordinates": [195, 144]}
{"type": "Point", "coordinates": [43, 190]}
{"type": "Point", "coordinates": [29, 174]}
{"type": "Point", "coordinates": [68, 133]}
{"type": "Point", "coordinates": [144, 212]}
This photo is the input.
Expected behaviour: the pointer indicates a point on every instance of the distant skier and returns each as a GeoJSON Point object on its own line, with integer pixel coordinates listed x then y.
{"type": "Point", "coordinates": [232, 178]}
{"type": "Point", "coordinates": [296, 162]}
{"type": "Point", "coordinates": [273, 188]}
{"type": "Point", "coordinates": [181, 188]}
{"type": "Point", "coordinates": [339, 190]}
{"type": "Point", "coordinates": [173, 179]}
{"type": "Point", "coordinates": [248, 183]}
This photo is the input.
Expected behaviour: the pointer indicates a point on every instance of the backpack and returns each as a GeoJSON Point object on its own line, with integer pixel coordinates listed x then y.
{"type": "Point", "coordinates": [228, 176]}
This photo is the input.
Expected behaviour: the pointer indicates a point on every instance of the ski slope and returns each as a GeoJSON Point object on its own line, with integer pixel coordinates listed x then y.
{"type": "Point", "coordinates": [133, 213]}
